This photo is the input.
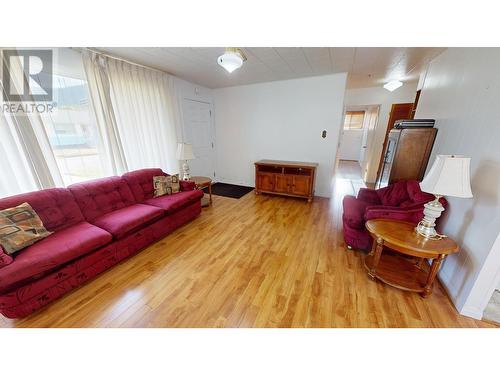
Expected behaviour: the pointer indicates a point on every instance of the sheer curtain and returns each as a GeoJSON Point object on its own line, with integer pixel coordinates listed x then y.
{"type": "Point", "coordinates": [140, 110]}
{"type": "Point", "coordinates": [100, 98]}
{"type": "Point", "coordinates": [30, 157]}
{"type": "Point", "coordinates": [16, 174]}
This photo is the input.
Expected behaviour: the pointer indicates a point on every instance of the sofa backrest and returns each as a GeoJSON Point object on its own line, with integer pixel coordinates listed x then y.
{"type": "Point", "coordinates": [141, 182]}
{"type": "Point", "coordinates": [98, 197]}
{"type": "Point", "coordinates": [393, 195]}
{"type": "Point", "coordinates": [416, 195]}
{"type": "Point", "coordinates": [57, 208]}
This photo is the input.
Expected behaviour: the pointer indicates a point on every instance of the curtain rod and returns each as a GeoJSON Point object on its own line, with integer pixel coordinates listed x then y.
{"type": "Point", "coordinates": [120, 59]}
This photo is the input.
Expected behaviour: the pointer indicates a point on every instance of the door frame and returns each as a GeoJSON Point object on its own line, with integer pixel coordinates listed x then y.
{"type": "Point", "coordinates": [390, 126]}
{"type": "Point", "coordinates": [212, 130]}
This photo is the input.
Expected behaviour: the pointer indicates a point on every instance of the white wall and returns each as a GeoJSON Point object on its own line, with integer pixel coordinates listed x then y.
{"type": "Point", "coordinates": [384, 98]}
{"type": "Point", "coordinates": [461, 91]}
{"type": "Point", "coordinates": [279, 120]}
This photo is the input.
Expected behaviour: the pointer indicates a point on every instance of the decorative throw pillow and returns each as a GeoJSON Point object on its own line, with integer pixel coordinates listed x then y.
{"type": "Point", "coordinates": [166, 185]}
{"type": "Point", "coordinates": [20, 227]}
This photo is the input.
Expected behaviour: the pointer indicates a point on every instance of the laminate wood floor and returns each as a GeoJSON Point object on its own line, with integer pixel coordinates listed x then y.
{"type": "Point", "coordinates": [260, 261]}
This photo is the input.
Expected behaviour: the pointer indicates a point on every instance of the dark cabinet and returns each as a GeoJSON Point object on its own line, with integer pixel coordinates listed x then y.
{"type": "Point", "coordinates": [406, 155]}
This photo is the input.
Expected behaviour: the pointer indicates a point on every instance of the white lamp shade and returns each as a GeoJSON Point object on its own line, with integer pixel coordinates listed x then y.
{"type": "Point", "coordinates": [185, 151]}
{"type": "Point", "coordinates": [448, 176]}
{"type": "Point", "coordinates": [230, 61]}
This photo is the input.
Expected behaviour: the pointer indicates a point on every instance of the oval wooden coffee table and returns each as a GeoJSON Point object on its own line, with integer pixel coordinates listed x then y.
{"type": "Point", "coordinates": [405, 267]}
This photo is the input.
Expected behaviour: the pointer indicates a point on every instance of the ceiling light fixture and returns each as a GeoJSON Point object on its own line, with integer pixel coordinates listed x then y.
{"type": "Point", "coordinates": [393, 85]}
{"type": "Point", "coordinates": [232, 59]}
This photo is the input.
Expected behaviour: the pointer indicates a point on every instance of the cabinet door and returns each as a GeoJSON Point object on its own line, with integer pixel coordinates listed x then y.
{"type": "Point", "coordinates": [265, 181]}
{"type": "Point", "coordinates": [283, 183]}
{"type": "Point", "coordinates": [300, 185]}
{"type": "Point", "coordinates": [413, 150]}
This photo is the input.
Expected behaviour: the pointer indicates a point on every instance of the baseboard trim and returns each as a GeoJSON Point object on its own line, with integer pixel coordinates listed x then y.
{"type": "Point", "coordinates": [471, 312]}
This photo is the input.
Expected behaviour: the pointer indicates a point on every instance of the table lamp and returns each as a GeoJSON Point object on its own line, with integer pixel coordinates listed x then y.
{"type": "Point", "coordinates": [449, 176]}
{"type": "Point", "coordinates": [185, 153]}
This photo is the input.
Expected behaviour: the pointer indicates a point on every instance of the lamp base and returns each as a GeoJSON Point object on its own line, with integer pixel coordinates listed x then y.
{"type": "Point", "coordinates": [432, 211]}
{"type": "Point", "coordinates": [185, 171]}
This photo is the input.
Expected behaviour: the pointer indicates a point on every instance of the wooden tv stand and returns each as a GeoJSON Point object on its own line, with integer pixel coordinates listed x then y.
{"type": "Point", "coordinates": [290, 178]}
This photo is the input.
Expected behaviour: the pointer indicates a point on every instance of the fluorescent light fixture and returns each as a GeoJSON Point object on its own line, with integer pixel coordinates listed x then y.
{"type": "Point", "coordinates": [393, 85]}
{"type": "Point", "coordinates": [232, 59]}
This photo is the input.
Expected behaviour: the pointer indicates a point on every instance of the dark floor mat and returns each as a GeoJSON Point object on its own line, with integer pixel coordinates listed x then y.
{"type": "Point", "coordinates": [229, 190]}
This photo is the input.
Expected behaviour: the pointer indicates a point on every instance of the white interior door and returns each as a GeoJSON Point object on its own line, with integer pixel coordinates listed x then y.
{"type": "Point", "coordinates": [198, 131]}
{"type": "Point", "coordinates": [351, 144]}
{"type": "Point", "coordinates": [370, 116]}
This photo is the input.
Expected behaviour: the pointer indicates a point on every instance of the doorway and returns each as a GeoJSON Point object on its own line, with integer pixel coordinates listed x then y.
{"type": "Point", "coordinates": [357, 137]}
{"type": "Point", "coordinates": [198, 130]}
{"type": "Point", "coordinates": [400, 111]}
{"type": "Point", "coordinates": [352, 135]}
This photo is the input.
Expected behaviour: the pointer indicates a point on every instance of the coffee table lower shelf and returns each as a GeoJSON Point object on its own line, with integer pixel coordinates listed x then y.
{"type": "Point", "coordinates": [404, 273]}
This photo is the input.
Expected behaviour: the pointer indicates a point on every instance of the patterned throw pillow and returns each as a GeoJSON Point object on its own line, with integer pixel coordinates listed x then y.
{"type": "Point", "coordinates": [166, 185]}
{"type": "Point", "coordinates": [20, 227]}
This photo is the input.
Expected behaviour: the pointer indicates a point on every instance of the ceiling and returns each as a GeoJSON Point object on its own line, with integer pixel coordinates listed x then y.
{"type": "Point", "coordinates": [367, 67]}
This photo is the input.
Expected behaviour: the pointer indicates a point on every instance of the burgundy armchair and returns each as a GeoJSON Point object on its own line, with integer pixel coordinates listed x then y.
{"type": "Point", "coordinates": [401, 201]}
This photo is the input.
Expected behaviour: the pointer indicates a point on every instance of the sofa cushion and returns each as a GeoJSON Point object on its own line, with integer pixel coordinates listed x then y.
{"type": "Point", "coordinates": [99, 197]}
{"type": "Point", "coordinates": [125, 220]}
{"type": "Point", "coordinates": [20, 227]}
{"type": "Point", "coordinates": [56, 207]}
{"type": "Point", "coordinates": [354, 211]}
{"type": "Point", "coordinates": [393, 195]}
{"type": "Point", "coordinates": [175, 202]}
{"type": "Point", "coordinates": [141, 182]}
{"type": "Point", "coordinates": [52, 252]}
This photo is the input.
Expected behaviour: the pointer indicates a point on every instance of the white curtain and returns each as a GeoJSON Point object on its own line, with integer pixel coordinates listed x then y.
{"type": "Point", "coordinates": [100, 98]}
{"type": "Point", "coordinates": [140, 109]}
{"type": "Point", "coordinates": [24, 135]}
{"type": "Point", "coordinates": [16, 175]}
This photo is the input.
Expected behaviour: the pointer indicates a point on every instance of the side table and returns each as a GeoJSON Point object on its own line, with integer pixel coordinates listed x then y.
{"type": "Point", "coordinates": [201, 182]}
{"type": "Point", "coordinates": [405, 267]}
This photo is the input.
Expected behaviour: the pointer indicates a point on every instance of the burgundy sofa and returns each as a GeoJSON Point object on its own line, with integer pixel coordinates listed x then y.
{"type": "Point", "coordinates": [400, 201]}
{"type": "Point", "coordinates": [96, 224]}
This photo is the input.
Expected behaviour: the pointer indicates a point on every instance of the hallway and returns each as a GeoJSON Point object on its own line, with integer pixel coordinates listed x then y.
{"type": "Point", "coordinates": [348, 177]}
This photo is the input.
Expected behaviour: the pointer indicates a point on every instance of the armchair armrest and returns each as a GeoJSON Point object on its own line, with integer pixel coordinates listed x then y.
{"type": "Point", "coordinates": [369, 195]}
{"type": "Point", "coordinates": [413, 215]}
{"type": "Point", "coordinates": [187, 185]}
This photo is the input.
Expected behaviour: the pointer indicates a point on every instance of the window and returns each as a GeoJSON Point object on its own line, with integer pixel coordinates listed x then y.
{"type": "Point", "coordinates": [354, 120]}
{"type": "Point", "coordinates": [71, 129]}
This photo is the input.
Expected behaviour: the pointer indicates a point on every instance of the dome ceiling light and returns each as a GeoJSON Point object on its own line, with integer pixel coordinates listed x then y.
{"type": "Point", "coordinates": [393, 85]}
{"type": "Point", "coordinates": [232, 59]}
